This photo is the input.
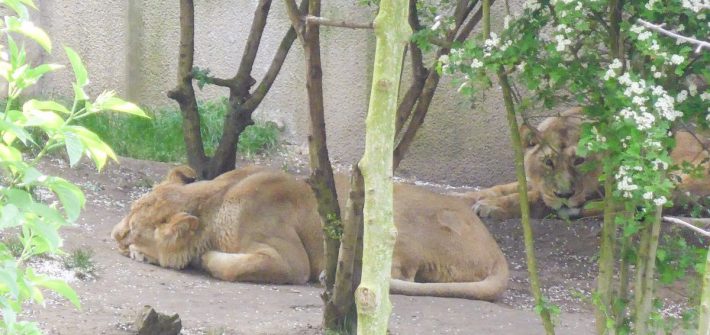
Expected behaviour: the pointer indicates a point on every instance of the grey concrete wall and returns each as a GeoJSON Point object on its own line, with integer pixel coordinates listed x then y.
{"type": "Point", "coordinates": [132, 46]}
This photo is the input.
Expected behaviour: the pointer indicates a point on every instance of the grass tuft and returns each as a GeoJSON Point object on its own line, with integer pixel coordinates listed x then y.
{"type": "Point", "coordinates": [160, 138]}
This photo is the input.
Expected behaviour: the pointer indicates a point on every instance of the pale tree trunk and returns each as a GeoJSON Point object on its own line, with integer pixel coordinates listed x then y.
{"type": "Point", "coordinates": [524, 203]}
{"type": "Point", "coordinates": [645, 269]}
{"type": "Point", "coordinates": [372, 296]}
{"type": "Point", "coordinates": [704, 319]}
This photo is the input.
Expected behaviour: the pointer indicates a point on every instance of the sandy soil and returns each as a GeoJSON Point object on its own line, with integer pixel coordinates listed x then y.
{"type": "Point", "coordinates": [120, 287]}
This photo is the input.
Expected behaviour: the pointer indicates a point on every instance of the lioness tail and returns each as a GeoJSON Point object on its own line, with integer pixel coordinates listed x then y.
{"type": "Point", "coordinates": [488, 289]}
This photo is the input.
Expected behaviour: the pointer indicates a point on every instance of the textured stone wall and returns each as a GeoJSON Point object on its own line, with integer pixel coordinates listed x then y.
{"type": "Point", "coordinates": [132, 46]}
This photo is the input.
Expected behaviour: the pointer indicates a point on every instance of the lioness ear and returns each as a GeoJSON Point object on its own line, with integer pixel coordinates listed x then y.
{"type": "Point", "coordinates": [182, 174]}
{"type": "Point", "coordinates": [528, 136]}
{"type": "Point", "coordinates": [179, 225]}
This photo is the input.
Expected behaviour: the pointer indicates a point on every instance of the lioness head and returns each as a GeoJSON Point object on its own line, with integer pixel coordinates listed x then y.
{"type": "Point", "coordinates": [553, 167]}
{"type": "Point", "coordinates": [159, 229]}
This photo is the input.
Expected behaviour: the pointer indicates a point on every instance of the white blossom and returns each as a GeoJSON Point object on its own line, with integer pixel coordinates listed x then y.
{"type": "Point", "coordinates": [692, 89]}
{"type": "Point", "coordinates": [615, 64]}
{"type": "Point", "coordinates": [475, 64]}
{"type": "Point", "coordinates": [660, 201]}
{"type": "Point", "coordinates": [677, 59]}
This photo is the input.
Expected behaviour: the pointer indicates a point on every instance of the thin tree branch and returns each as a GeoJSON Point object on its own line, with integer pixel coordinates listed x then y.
{"type": "Point", "coordinates": [310, 19]}
{"type": "Point", "coordinates": [278, 61]}
{"type": "Point", "coordinates": [660, 29]}
{"type": "Point", "coordinates": [295, 16]}
{"type": "Point", "coordinates": [690, 225]}
{"type": "Point", "coordinates": [251, 49]}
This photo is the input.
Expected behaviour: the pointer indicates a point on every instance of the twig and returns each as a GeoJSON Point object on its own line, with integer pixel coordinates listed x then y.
{"type": "Point", "coordinates": [685, 224]}
{"type": "Point", "coordinates": [659, 28]}
{"type": "Point", "coordinates": [334, 23]}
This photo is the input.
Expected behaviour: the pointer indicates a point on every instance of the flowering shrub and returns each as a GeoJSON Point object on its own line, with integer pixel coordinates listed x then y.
{"type": "Point", "coordinates": [638, 69]}
{"type": "Point", "coordinates": [37, 222]}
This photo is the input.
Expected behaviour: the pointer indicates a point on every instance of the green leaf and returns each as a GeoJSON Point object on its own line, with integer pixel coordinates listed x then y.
{"type": "Point", "coordinates": [80, 73]}
{"type": "Point", "coordinates": [33, 75]}
{"type": "Point", "coordinates": [18, 197]}
{"type": "Point", "coordinates": [44, 120]}
{"type": "Point", "coordinates": [9, 154]}
{"type": "Point", "coordinates": [11, 131]}
{"type": "Point", "coordinates": [29, 29]}
{"type": "Point", "coordinates": [46, 106]}
{"type": "Point", "coordinates": [10, 216]}
{"type": "Point", "coordinates": [79, 94]}
{"type": "Point", "coordinates": [8, 278]}
{"type": "Point", "coordinates": [71, 196]}
{"type": "Point", "coordinates": [74, 148]}
{"type": "Point", "coordinates": [45, 236]}
{"type": "Point", "coordinates": [118, 105]}
{"type": "Point", "coordinates": [31, 175]}
{"type": "Point", "coordinates": [62, 288]}
{"type": "Point", "coordinates": [97, 150]}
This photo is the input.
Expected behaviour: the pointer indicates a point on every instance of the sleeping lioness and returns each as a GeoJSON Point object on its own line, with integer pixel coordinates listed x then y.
{"type": "Point", "coordinates": [557, 180]}
{"type": "Point", "coordinates": [260, 225]}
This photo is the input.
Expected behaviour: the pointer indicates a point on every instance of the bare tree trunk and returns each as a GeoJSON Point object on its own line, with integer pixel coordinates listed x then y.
{"type": "Point", "coordinates": [414, 106]}
{"type": "Point", "coordinates": [645, 269]}
{"type": "Point", "coordinates": [704, 318]}
{"type": "Point", "coordinates": [524, 203]}
{"type": "Point", "coordinates": [184, 93]}
{"type": "Point", "coordinates": [242, 99]}
{"type": "Point", "coordinates": [321, 179]}
{"type": "Point", "coordinates": [608, 238]}
{"type": "Point", "coordinates": [372, 296]}
{"type": "Point", "coordinates": [350, 256]}
{"type": "Point", "coordinates": [606, 257]}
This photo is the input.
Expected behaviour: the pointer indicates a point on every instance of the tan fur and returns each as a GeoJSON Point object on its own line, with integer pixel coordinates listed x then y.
{"type": "Point", "coordinates": [260, 225]}
{"type": "Point", "coordinates": [556, 180]}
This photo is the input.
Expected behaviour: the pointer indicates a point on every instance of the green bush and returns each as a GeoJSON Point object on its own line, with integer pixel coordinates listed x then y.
{"type": "Point", "coordinates": [28, 131]}
{"type": "Point", "coordinates": [258, 138]}
{"type": "Point", "coordinates": [161, 138]}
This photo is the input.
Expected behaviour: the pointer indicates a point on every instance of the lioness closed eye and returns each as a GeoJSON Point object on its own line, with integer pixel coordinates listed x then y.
{"type": "Point", "coordinates": [559, 182]}
{"type": "Point", "coordinates": [259, 225]}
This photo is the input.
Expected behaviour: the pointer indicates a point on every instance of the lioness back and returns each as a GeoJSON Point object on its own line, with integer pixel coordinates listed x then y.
{"type": "Point", "coordinates": [260, 225]}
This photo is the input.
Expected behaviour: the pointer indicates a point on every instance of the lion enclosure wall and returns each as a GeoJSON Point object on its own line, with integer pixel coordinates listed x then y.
{"type": "Point", "coordinates": [132, 46]}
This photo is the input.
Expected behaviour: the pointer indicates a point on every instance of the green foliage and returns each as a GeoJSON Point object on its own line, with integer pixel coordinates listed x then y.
{"type": "Point", "coordinates": [80, 261]}
{"type": "Point", "coordinates": [258, 138]}
{"type": "Point", "coordinates": [634, 84]}
{"type": "Point", "coordinates": [160, 137]}
{"type": "Point", "coordinates": [334, 227]}
{"type": "Point", "coordinates": [202, 76]}
{"type": "Point", "coordinates": [28, 131]}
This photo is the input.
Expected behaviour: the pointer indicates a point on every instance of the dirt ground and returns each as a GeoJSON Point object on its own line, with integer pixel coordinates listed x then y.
{"type": "Point", "coordinates": [112, 298]}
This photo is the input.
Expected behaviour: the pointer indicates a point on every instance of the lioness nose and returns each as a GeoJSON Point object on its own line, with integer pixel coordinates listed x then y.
{"type": "Point", "coordinates": [564, 195]}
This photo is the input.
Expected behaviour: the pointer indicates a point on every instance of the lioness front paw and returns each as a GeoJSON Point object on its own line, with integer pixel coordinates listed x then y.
{"type": "Point", "coordinates": [487, 209]}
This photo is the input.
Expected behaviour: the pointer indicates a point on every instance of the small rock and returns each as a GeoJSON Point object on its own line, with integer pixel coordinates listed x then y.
{"type": "Point", "coordinates": [150, 322]}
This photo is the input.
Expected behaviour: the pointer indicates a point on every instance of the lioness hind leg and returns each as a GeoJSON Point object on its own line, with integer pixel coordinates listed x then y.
{"type": "Point", "coordinates": [264, 266]}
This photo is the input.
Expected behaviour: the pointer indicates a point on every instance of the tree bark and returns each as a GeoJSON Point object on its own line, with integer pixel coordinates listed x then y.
{"type": "Point", "coordinates": [347, 276]}
{"type": "Point", "coordinates": [606, 256]}
{"type": "Point", "coordinates": [372, 296]}
{"type": "Point", "coordinates": [646, 267]}
{"type": "Point", "coordinates": [184, 93]}
{"type": "Point", "coordinates": [704, 317]}
{"type": "Point", "coordinates": [321, 179]}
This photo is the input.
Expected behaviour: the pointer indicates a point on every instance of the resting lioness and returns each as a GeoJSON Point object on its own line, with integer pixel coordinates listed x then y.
{"type": "Point", "coordinates": [557, 180]}
{"type": "Point", "coordinates": [260, 225]}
